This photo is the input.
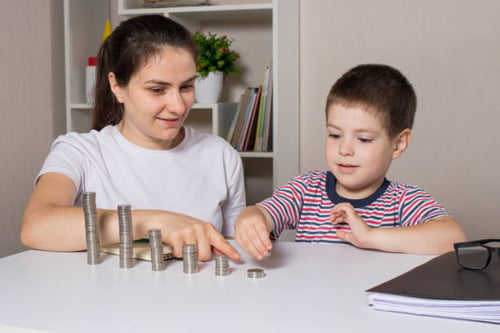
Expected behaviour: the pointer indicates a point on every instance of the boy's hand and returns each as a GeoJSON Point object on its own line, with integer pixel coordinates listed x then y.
{"type": "Point", "coordinates": [360, 231]}
{"type": "Point", "coordinates": [251, 232]}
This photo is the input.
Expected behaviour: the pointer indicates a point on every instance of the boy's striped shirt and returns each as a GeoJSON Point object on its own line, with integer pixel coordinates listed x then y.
{"type": "Point", "coordinates": [306, 201]}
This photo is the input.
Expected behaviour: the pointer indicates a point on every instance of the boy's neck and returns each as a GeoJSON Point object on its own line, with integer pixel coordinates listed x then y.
{"type": "Point", "coordinates": [357, 194]}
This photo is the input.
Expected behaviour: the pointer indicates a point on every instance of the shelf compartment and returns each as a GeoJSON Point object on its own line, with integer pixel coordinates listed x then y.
{"type": "Point", "coordinates": [210, 12]}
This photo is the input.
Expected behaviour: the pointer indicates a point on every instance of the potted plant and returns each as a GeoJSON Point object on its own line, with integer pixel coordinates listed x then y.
{"type": "Point", "coordinates": [215, 62]}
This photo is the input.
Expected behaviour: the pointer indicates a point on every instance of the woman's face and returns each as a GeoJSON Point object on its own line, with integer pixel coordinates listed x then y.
{"type": "Point", "coordinates": [157, 99]}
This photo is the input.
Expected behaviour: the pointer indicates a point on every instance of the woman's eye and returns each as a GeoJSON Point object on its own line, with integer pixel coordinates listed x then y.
{"type": "Point", "coordinates": [187, 87]}
{"type": "Point", "coordinates": [157, 90]}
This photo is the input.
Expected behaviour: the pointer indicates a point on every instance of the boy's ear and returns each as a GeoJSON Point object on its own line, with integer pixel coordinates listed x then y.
{"type": "Point", "coordinates": [115, 88]}
{"type": "Point", "coordinates": [401, 142]}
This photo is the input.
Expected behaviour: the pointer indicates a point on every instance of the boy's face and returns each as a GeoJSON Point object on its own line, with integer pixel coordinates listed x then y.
{"type": "Point", "coordinates": [359, 150]}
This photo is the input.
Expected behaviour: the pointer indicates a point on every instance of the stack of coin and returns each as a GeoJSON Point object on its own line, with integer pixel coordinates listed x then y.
{"type": "Point", "coordinates": [221, 265]}
{"type": "Point", "coordinates": [156, 245]}
{"type": "Point", "coordinates": [91, 232]}
{"type": "Point", "coordinates": [190, 258]}
{"type": "Point", "coordinates": [255, 273]}
{"type": "Point", "coordinates": [126, 237]}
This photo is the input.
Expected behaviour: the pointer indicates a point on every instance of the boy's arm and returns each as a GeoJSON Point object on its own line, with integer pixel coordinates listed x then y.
{"type": "Point", "coordinates": [251, 231]}
{"type": "Point", "coordinates": [432, 237]}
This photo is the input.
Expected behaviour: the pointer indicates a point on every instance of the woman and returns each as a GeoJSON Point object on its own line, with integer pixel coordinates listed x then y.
{"type": "Point", "coordinates": [188, 184]}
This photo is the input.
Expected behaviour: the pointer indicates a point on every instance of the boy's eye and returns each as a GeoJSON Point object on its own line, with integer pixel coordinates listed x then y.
{"type": "Point", "coordinates": [333, 135]}
{"type": "Point", "coordinates": [365, 140]}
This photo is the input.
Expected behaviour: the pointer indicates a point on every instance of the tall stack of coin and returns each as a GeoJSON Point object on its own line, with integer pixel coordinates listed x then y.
{"type": "Point", "coordinates": [221, 265]}
{"type": "Point", "coordinates": [190, 258]}
{"type": "Point", "coordinates": [126, 237]}
{"type": "Point", "coordinates": [91, 232]}
{"type": "Point", "coordinates": [156, 249]}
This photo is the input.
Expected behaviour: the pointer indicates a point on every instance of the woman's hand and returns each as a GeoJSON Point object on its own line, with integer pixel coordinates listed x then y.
{"type": "Point", "coordinates": [182, 230]}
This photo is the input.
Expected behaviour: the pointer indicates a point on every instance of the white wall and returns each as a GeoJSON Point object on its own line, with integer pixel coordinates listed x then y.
{"type": "Point", "coordinates": [450, 51]}
{"type": "Point", "coordinates": [31, 103]}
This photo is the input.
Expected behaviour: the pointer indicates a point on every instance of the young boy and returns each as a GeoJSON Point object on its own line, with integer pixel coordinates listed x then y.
{"type": "Point", "coordinates": [369, 113]}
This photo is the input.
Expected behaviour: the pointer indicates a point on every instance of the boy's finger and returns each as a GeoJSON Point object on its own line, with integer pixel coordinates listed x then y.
{"type": "Point", "coordinates": [259, 238]}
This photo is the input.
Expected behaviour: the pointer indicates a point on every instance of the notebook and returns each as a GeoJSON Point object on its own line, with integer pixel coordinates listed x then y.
{"type": "Point", "coordinates": [441, 288]}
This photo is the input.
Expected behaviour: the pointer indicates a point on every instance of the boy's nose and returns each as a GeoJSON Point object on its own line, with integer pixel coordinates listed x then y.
{"type": "Point", "coordinates": [345, 148]}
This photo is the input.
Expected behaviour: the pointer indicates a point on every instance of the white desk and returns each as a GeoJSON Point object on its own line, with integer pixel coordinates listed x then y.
{"type": "Point", "coordinates": [308, 288]}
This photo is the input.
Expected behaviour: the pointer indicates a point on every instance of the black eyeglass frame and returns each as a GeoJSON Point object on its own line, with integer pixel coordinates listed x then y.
{"type": "Point", "coordinates": [481, 243]}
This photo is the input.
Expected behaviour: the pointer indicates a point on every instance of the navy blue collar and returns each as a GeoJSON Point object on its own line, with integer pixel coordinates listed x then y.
{"type": "Point", "coordinates": [356, 203]}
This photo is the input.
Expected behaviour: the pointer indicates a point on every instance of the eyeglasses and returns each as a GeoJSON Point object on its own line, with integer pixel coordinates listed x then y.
{"type": "Point", "coordinates": [476, 255]}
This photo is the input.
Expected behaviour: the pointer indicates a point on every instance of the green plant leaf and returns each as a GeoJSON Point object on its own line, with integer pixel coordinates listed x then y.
{"type": "Point", "coordinates": [215, 54]}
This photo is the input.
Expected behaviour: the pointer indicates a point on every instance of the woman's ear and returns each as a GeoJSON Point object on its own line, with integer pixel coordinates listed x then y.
{"type": "Point", "coordinates": [401, 142]}
{"type": "Point", "coordinates": [115, 88]}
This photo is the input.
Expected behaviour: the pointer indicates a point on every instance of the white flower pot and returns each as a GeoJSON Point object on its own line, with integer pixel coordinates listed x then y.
{"type": "Point", "coordinates": [209, 88]}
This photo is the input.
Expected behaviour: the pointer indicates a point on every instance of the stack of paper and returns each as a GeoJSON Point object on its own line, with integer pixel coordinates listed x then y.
{"type": "Point", "coordinates": [441, 288]}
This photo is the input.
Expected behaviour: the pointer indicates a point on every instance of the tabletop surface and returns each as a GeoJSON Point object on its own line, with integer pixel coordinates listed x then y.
{"type": "Point", "coordinates": [307, 288]}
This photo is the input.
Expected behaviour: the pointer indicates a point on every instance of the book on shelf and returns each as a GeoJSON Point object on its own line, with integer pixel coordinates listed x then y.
{"type": "Point", "coordinates": [248, 134]}
{"type": "Point", "coordinates": [263, 110]}
{"type": "Point", "coordinates": [250, 126]}
{"type": "Point", "coordinates": [266, 143]}
{"type": "Point", "coordinates": [239, 117]}
{"type": "Point", "coordinates": [441, 288]}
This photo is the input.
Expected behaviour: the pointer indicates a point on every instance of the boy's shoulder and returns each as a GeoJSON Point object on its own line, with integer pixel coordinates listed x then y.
{"type": "Point", "coordinates": [398, 189]}
{"type": "Point", "coordinates": [311, 176]}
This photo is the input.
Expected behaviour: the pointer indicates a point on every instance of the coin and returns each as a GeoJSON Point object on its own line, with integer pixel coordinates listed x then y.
{"type": "Point", "coordinates": [221, 265]}
{"type": "Point", "coordinates": [255, 273]}
{"type": "Point", "coordinates": [190, 258]}
{"type": "Point", "coordinates": [91, 229]}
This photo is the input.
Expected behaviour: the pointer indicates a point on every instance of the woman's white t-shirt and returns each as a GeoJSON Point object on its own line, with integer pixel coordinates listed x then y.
{"type": "Point", "coordinates": [201, 177]}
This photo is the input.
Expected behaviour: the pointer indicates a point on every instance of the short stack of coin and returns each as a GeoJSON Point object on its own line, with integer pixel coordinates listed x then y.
{"type": "Point", "coordinates": [156, 245]}
{"type": "Point", "coordinates": [255, 273]}
{"type": "Point", "coordinates": [221, 265]}
{"type": "Point", "coordinates": [126, 236]}
{"type": "Point", "coordinates": [91, 232]}
{"type": "Point", "coordinates": [190, 258]}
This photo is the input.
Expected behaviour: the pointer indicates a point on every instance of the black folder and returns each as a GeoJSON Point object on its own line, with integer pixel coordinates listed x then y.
{"type": "Point", "coordinates": [440, 287]}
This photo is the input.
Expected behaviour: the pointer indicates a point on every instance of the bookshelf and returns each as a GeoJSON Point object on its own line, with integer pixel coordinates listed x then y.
{"type": "Point", "coordinates": [263, 31]}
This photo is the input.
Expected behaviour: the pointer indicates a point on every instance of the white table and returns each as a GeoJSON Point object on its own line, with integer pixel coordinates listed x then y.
{"type": "Point", "coordinates": [308, 288]}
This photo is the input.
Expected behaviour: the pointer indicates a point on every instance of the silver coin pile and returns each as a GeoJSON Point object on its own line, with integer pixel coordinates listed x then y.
{"type": "Point", "coordinates": [126, 237]}
{"type": "Point", "coordinates": [156, 244]}
{"type": "Point", "coordinates": [255, 273]}
{"type": "Point", "coordinates": [91, 232]}
{"type": "Point", "coordinates": [190, 258]}
{"type": "Point", "coordinates": [221, 265]}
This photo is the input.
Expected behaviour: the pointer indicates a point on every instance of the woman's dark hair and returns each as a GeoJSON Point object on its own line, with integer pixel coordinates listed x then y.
{"type": "Point", "coordinates": [128, 48]}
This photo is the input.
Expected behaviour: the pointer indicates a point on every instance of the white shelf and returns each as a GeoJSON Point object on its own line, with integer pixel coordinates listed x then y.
{"type": "Point", "coordinates": [249, 154]}
{"type": "Point", "coordinates": [210, 13]}
{"type": "Point", "coordinates": [81, 106]}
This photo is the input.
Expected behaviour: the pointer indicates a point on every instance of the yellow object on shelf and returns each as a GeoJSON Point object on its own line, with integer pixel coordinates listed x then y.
{"type": "Point", "coordinates": [107, 30]}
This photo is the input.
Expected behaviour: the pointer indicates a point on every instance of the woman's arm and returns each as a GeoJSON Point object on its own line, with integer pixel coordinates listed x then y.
{"type": "Point", "coordinates": [52, 223]}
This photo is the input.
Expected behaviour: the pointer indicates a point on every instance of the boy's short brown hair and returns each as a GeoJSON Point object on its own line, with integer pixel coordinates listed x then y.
{"type": "Point", "coordinates": [380, 89]}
